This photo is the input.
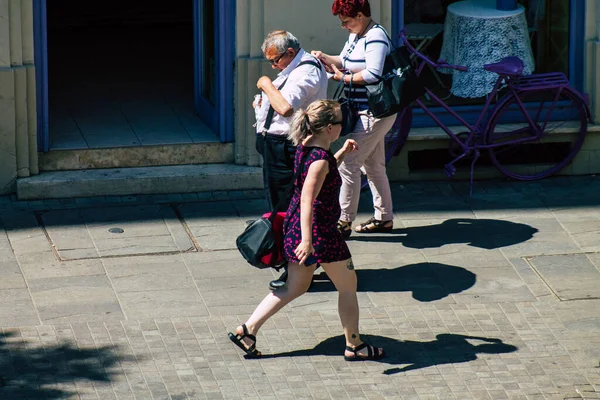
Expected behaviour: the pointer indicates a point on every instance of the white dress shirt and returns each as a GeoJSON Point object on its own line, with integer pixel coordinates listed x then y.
{"type": "Point", "coordinates": [304, 85]}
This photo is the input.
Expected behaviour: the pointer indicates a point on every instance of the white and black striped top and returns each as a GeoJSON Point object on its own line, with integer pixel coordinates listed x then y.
{"type": "Point", "coordinates": [367, 54]}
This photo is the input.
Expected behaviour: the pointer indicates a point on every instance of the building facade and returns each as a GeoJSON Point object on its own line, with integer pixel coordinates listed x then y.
{"type": "Point", "coordinates": [138, 85]}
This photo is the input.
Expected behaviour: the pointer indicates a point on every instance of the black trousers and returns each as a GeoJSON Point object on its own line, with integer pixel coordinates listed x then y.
{"type": "Point", "coordinates": [278, 169]}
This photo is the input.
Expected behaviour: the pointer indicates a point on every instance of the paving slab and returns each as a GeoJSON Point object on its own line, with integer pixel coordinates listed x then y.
{"type": "Point", "coordinates": [17, 308]}
{"type": "Point", "coordinates": [585, 233]}
{"type": "Point", "coordinates": [184, 302]}
{"type": "Point", "coordinates": [146, 273]}
{"type": "Point", "coordinates": [214, 226]}
{"type": "Point", "coordinates": [570, 276]}
{"type": "Point", "coordinates": [46, 264]}
{"type": "Point", "coordinates": [115, 231]}
{"type": "Point", "coordinates": [75, 298]}
{"type": "Point", "coordinates": [495, 285]}
{"type": "Point", "coordinates": [11, 276]}
{"type": "Point", "coordinates": [223, 264]}
{"type": "Point", "coordinates": [24, 233]}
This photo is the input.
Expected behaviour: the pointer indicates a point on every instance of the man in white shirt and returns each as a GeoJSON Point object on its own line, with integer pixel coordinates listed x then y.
{"type": "Point", "coordinates": [301, 80]}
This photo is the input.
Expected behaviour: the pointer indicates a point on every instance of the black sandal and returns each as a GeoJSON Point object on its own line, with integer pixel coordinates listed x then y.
{"type": "Point", "coordinates": [374, 226]}
{"type": "Point", "coordinates": [251, 351]}
{"type": "Point", "coordinates": [373, 353]}
{"type": "Point", "coordinates": [345, 228]}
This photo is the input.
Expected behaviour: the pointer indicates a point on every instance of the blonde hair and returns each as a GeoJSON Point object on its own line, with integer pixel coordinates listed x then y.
{"type": "Point", "coordinates": [317, 116]}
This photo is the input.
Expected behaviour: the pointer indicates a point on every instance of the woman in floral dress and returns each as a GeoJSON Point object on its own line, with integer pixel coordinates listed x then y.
{"type": "Point", "coordinates": [311, 235]}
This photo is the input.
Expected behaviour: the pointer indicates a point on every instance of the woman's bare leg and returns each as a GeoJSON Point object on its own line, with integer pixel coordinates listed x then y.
{"type": "Point", "coordinates": [299, 279]}
{"type": "Point", "coordinates": [343, 276]}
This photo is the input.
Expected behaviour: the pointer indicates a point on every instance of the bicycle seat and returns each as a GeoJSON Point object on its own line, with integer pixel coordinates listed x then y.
{"type": "Point", "coordinates": [511, 66]}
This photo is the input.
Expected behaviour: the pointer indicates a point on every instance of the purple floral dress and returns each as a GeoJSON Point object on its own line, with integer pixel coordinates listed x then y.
{"type": "Point", "coordinates": [328, 242]}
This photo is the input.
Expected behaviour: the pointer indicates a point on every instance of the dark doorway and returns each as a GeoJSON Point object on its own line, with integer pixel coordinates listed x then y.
{"type": "Point", "coordinates": [121, 73]}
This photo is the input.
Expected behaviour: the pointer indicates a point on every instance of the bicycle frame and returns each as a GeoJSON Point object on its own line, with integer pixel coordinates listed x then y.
{"type": "Point", "coordinates": [478, 128]}
{"type": "Point", "coordinates": [517, 85]}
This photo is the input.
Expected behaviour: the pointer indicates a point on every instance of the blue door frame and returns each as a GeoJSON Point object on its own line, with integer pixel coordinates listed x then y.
{"type": "Point", "coordinates": [40, 43]}
{"type": "Point", "coordinates": [219, 117]}
{"type": "Point", "coordinates": [470, 113]}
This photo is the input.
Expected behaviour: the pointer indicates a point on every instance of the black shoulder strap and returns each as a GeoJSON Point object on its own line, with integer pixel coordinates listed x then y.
{"type": "Point", "coordinates": [271, 112]}
{"type": "Point", "coordinates": [386, 35]}
{"type": "Point", "coordinates": [310, 62]}
{"type": "Point", "coordinates": [390, 42]}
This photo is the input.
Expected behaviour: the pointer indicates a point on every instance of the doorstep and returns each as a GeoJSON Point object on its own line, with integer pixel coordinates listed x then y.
{"type": "Point", "coordinates": [139, 180]}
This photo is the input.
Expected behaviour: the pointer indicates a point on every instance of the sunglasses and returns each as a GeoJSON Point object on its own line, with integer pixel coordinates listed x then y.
{"type": "Point", "coordinates": [276, 60]}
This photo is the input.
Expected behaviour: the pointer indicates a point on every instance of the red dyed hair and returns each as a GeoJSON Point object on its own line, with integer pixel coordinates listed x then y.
{"type": "Point", "coordinates": [351, 8]}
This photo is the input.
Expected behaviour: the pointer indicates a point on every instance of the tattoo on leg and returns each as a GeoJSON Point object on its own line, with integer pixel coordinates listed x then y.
{"type": "Point", "coordinates": [354, 336]}
{"type": "Point", "coordinates": [350, 265]}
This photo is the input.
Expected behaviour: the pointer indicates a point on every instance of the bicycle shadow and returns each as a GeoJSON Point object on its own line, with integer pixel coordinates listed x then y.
{"type": "Point", "coordinates": [482, 233]}
{"type": "Point", "coordinates": [427, 281]}
{"type": "Point", "coordinates": [447, 348]}
{"type": "Point", "coordinates": [34, 372]}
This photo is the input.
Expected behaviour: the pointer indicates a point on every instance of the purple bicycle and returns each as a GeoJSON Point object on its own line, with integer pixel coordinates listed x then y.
{"type": "Point", "coordinates": [533, 131]}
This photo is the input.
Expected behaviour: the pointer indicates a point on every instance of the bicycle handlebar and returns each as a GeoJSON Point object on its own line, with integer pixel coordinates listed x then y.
{"type": "Point", "coordinates": [439, 64]}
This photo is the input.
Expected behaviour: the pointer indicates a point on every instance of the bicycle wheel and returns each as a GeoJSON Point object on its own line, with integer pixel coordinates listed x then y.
{"type": "Point", "coordinates": [394, 139]}
{"type": "Point", "coordinates": [561, 119]}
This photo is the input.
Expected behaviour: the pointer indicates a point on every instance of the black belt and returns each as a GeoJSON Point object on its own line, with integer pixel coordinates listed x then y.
{"type": "Point", "coordinates": [271, 136]}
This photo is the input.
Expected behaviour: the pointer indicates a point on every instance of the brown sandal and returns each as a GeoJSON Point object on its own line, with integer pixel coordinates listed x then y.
{"type": "Point", "coordinates": [374, 226]}
{"type": "Point", "coordinates": [345, 228]}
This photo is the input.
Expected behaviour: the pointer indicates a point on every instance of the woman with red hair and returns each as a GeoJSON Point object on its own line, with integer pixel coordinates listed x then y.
{"type": "Point", "coordinates": [359, 64]}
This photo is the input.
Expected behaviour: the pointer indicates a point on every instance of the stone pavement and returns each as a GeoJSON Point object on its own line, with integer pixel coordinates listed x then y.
{"type": "Point", "coordinates": [489, 296]}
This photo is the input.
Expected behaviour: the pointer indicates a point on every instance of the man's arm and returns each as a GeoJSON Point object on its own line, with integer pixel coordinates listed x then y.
{"type": "Point", "coordinates": [278, 102]}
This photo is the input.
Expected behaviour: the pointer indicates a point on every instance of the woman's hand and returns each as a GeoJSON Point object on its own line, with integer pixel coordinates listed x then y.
{"type": "Point", "coordinates": [325, 59]}
{"type": "Point", "coordinates": [349, 146]}
{"type": "Point", "coordinates": [337, 74]}
{"type": "Point", "coordinates": [318, 54]}
{"type": "Point", "coordinates": [304, 250]}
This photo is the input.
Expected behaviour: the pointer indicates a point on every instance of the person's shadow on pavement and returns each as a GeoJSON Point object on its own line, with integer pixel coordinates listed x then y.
{"type": "Point", "coordinates": [447, 348]}
{"type": "Point", "coordinates": [482, 233]}
{"type": "Point", "coordinates": [426, 281]}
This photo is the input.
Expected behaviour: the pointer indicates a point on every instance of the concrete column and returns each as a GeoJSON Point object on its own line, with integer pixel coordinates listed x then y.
{"type": "Point", "coordinates": [16, 59]}
{"type": "Point", "coordinates": [16, 47]}
{"type": "Point", "coordinates": [7, 103]}
{"type": "Point", "coordinates": [21, 123]}
{"type": "Point", "coordinates": [32, 122]}
{"type": "Point", "coordinates": [242, 47]}
{"type": "Point", "coordinates": [4, 34]}
{"type": "Point", "coordinates": [28, 61]}
{"type": "Point", "coordinates": [27, 31]}
{"type": "Point", "coordinates": [250, 34]}
{"type": "Point", "coordinates": [597, 19]}
{"type": "Point", "coordinates": [8, 162]}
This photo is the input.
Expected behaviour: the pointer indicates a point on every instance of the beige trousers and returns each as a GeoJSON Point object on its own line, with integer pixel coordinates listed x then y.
{"type": "Point", "coordinates": [369, 134]}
